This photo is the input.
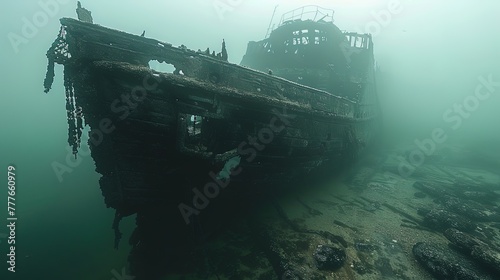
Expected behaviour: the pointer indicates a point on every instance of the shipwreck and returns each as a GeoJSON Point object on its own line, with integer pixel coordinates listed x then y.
{"type": "Point", "coordinates": [166, 144]}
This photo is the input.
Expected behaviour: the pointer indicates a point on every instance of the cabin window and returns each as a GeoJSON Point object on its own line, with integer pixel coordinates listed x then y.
{"type": "Point", "coordinates": [194, 125]}
{"type": "Point", "coordinates": [301, 41]}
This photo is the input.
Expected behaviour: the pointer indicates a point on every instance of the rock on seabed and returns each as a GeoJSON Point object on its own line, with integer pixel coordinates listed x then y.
{"type": "Point", "coordinates": [329, 257]}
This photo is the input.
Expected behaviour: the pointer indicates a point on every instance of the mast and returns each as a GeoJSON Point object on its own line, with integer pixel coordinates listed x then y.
{"type": "Point", "coordinates": [270, 22]}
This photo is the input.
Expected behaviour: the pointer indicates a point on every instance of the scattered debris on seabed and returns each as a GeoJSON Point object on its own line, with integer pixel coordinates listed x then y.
{"type": "Point", "coordinates": [443, 221]}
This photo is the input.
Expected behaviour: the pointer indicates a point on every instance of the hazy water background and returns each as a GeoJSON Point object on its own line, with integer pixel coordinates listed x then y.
{"type": "Point", "coordinates": [431, 54]}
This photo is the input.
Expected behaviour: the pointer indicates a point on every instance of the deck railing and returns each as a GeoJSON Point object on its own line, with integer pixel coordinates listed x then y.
{"type": "Point", "coordinates": [309, 12]}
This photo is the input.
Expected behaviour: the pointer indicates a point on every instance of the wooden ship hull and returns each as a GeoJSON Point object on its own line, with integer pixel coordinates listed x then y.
{"type": "Point", "coordinates": [142, 130]}
{"type": "Point", "coordinates": [182, 139]}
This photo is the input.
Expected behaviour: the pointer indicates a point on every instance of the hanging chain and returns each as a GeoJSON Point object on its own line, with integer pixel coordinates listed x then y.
{"type": "Point", "coordinates": [59, 53]}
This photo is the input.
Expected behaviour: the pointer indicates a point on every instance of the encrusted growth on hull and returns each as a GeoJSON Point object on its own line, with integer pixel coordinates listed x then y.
{"type": "Point", "coordinates": [59, 53]}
